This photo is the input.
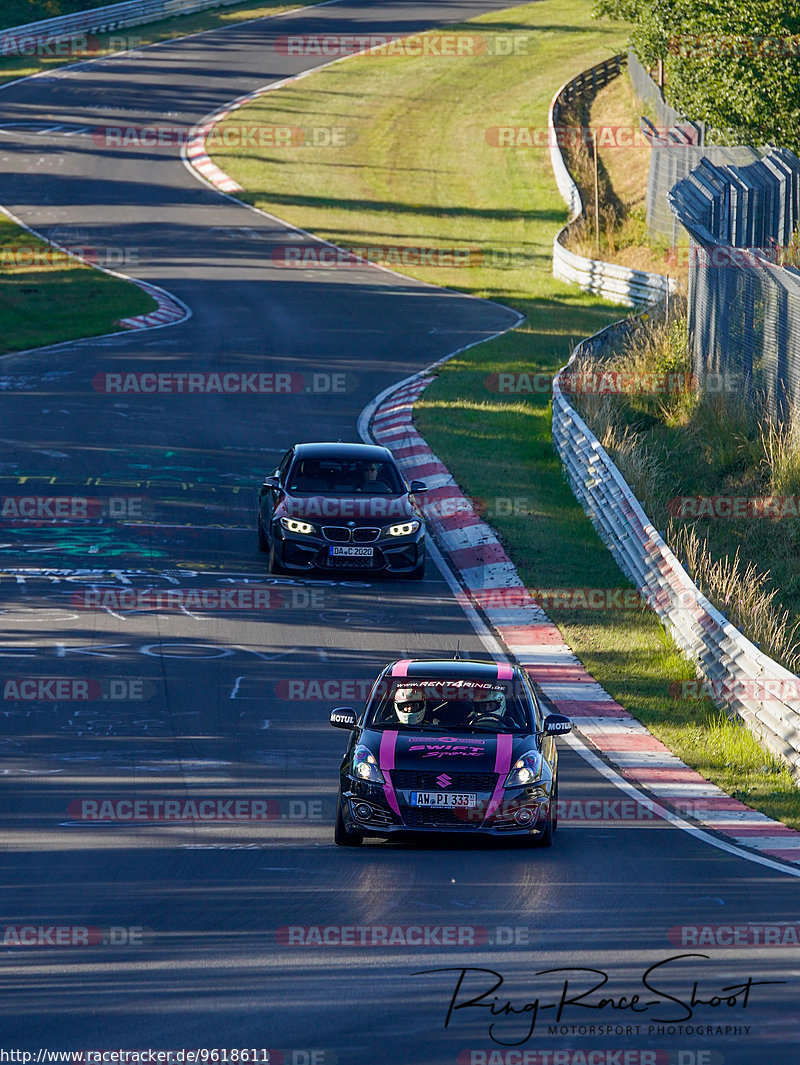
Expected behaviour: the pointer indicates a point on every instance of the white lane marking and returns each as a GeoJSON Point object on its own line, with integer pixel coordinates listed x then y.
{"type": "Point", "coordinates": [236, 687]}
{"type": "Point", "coordinates": [490, 641]}
{"type": "Point", "coordinates": [693, 830]}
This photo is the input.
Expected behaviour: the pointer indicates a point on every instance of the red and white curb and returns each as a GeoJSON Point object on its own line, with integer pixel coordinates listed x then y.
{"type": "Point", "coordinates": [198, 158]}
{"type": "Point", "coordinates": [170, 309]}
{"type": "Point", "coordinates": [493, 586]}
{"type": "Point", "coordinates": [168, 312]}
{"type": "Point", "coordinates": [195, 153]}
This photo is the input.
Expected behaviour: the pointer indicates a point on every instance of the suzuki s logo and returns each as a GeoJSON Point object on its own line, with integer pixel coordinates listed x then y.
{"type": "Point", "coordinates": [444, 781]}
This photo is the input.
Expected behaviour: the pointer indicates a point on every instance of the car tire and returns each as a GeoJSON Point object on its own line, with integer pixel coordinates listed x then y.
{"type": "Point", "coordinates": [341, 837]}
{"type": "Point", "coordinates": [273, 564]}
{"type": "Point", "coordinates": [546, 838]}
{"type": "Point", "coordinates": [263, 541]}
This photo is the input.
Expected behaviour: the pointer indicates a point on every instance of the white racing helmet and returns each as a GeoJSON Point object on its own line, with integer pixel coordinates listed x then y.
{"type": "Point", "coordinates": [487, 703]}
{"type": "Point", "coordinates": [409, 705]}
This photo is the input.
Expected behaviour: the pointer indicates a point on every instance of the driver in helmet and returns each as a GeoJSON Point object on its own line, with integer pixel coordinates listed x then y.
{"type": "Point", "coordinates": [409, 705]}
{"type": "Point", "coordinates": [489, 706]}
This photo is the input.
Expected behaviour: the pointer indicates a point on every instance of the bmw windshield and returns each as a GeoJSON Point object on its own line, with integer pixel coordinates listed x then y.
{"type": "Point", "coordinates": [344, 477]}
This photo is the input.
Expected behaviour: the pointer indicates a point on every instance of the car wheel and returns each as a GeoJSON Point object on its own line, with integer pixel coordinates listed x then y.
{"type": "Point", "coordinates": [546, 838]}
{"type": "Point", "coordinates": [341, 837]}
{"type": "Point", "coordinates": [263, 542]}
{"type": "Point", "coordinates": [274, 565]}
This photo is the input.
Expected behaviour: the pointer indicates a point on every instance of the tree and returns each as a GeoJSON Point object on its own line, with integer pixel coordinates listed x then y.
{"type": "Point", "coordinates": [734, 64]}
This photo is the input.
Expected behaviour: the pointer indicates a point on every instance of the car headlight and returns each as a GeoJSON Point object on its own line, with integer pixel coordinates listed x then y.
{"type": "Point", "coordinates": [292, 525]}
{"type": "Point", "coordinates": [526, 770]}
{"type": "Point", "coordinates": [406, 529]}
{"type": "Point", "coordinates": [364, 765]}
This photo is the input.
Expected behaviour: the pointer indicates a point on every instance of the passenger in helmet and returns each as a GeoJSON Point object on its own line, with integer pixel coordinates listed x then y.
{"type": "Point", "coordinates": [488, 705]}
{"type": "Point", "coordinates": [409, 705]}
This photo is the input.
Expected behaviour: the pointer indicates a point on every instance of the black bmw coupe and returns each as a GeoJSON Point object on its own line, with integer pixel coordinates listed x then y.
{"type": "Point", "coordinates": [341, 506]}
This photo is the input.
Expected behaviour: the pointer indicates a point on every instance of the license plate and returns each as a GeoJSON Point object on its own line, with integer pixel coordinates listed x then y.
{"type": "Point", "coordinates": [442, 798]}
{"type": "Point", "coordinates": [342, 551]}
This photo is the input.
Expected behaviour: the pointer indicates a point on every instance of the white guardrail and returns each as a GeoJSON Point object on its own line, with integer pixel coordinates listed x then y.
{"type": "Point", "coordinates": [99, 20]}
{"type": "Point", "coordinates": [759, 690]}
{"type": "Point", "coordinates": [634, 288]}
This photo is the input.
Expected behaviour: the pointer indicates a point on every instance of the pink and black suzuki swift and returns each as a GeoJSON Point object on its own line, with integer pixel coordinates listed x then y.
{"type": "Point", "coordinates": [449, 746]}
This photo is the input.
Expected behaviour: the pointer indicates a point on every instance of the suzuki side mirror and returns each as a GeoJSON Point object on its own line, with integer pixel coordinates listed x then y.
{"type": "Point", "coordinates": [557, 725]}
{"type": "Point", "coordinates": [344, 717]}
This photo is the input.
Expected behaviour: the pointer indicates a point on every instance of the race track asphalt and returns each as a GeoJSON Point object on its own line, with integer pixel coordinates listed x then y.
{"type": "Point", "coordinates": [192, 705]}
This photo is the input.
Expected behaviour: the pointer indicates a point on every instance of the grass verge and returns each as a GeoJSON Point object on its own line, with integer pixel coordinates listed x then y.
{"type": "Point", "coordinates": [59, 299]}
{"type": "Point", "coordinates": [730, 507]}
{"type": "Point", "coordinates": [418, 169]}
{"type": "Point", "coordinates": [47, 297]}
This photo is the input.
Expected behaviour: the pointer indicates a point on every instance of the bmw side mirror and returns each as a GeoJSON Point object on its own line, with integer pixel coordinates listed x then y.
{"type": "Point", "coordinates": [557, 725]}
{"type": "Point", "coordinates": [271, 481]}
{"type": "Point", "coordinates": [344, 717]}
{"type": "Point", "coordinates": [417, 486]}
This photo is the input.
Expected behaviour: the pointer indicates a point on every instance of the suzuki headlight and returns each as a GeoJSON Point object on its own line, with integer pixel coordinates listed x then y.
{"type": "Point", "coordinates": [292, 525]}
{"type": "Point", "coordinates": [406, 529]}
{"type": "Point", "coordinates": [365, 766]}
{"type": "Point", "coordinates": [526, 770]}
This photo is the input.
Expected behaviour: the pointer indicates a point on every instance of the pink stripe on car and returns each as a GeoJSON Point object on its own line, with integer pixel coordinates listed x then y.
{"type": "Point", "coordinates": [386, 764]}
{"type": "Point", "coordinates": [502, 764]}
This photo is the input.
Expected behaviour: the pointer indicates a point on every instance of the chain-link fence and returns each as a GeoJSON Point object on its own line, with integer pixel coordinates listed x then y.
{"type": "Point", "coordinates": [678, 145]}
{"type": "Point", "coordinates": [744, 285]}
